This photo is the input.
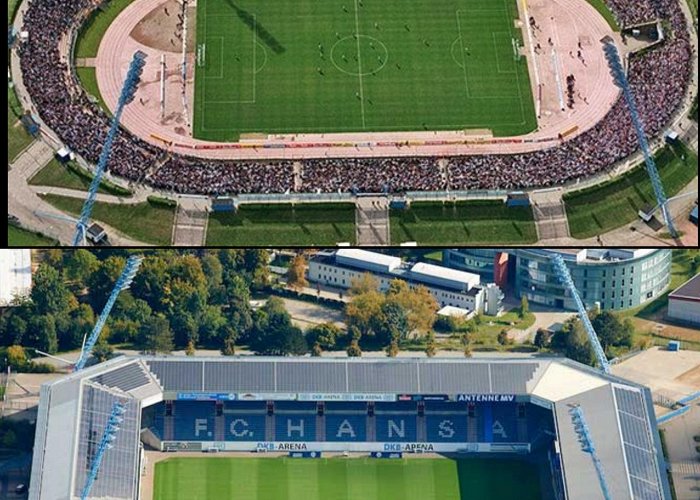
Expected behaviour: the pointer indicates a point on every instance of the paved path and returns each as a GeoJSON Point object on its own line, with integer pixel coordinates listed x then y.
{"type": "Point", "coordinates": [372, 221]}
{"type": "Point", "coordinates": [191, 221]}
{"type": "Point", "coordinates": [682, 457]}
{"type": "Point", "coordinates": [550, 215]}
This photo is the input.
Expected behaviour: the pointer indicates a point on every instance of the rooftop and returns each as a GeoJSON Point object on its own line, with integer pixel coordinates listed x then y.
{"type": "Point", "coordinates": [688, 290]}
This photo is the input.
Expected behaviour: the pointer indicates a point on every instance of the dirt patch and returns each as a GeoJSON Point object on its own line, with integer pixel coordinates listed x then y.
{"type": "Point", "coordinates": [159, 29]}
{"type": "Point", "coordinates": [691, 377]}
{"type": "Point", "coordinates": [668, 331]}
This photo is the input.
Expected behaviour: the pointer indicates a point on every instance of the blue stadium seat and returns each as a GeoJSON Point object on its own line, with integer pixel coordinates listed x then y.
{"type": "Point", "coordinates": [341, 427]}
{"type": "Point", "coordinates": [396, 427]}
{"type": "Point", "coordinates": [295, 427]}
{"type": "Point", "coordinates": [447, 428]}
{"type": "Point", "coordinates": [244, 427]}
{"type": "Point", "coordinates": [194, 420]}
{"type": "Point", "coordinates": [500, 423]}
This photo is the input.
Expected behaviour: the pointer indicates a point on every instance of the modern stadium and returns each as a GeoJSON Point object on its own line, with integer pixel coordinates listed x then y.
{"type": "Point", "coordinates": [230, 98]}
{"type": "Point", "coordinates": [479, 428]}
{"type": "Point", "coordinates": [611, 278]}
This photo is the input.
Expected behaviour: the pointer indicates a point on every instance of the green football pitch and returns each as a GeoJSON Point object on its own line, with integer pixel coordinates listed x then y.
{"type": "Point", "coordinates": [275, 66]}
{"type": "Point", "coordinates": [344, 479]}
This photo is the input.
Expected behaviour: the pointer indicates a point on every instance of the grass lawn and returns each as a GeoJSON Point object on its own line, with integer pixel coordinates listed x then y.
{"type": "Point", "coordinates": [17, 136]}
{"type": "Point", "coordinates": [88, 79]}
{"type": "Point", "coordinates": [73, 177]}
{"type": "Point", "coordinates": [344, 479]}
{"type": "Point", "coordinates": [463, 222]}
{"type": "Point", "coordinates": [12, 5]}
{"type": "Point", "coordinates": [142, 221]}
{"type": "Point", "coordinates": [283, 225]}
{"type": "Point", "coordinates": [601, 208]}
{"type": "Point", "coordinates": [92, 31]}
{"type": "Point", "coordinates": [604, 11]}
{"type": "Point", "coordinates": [339, 65]}
{"type": "Point", "coordinates": [18, 237]}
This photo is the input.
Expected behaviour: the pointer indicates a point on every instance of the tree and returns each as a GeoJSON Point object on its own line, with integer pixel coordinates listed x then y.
{"type": "Point", "coordinates": [229, 341]}
{"type": "Point", "coordinates": [392, 350]}
{"type": "Point", "coordinates": [296, 274]}
{"type": "Point", "coordinates": [150, 283]}
{"type": "Point", "coordinates": [78, 325]}
{"type": "Point", "coordinates": [239, 312]}
{"type": "Point", "coordinates": [543, 338]}
{"type": "Point", "coordinates": [354, 350]}
{"type": "Point", "coordinates": [41, 333]}
{"type": "Point", "coordinates": [80, 265]}
{"type": "Point", "coordinates": [189, 350]}
{"type": "Point", "coordinates": [213, 271]}
{"type": "Point", "coordinates": [155, 336]}
{"type": "Point", "coordinates": [365, 283]}
{"type": "Point", "coordinates": [273, 332]}
{"type": "Point", "coordinates": [102, 350]}
{"type": "Point", "coordinates": [325, 335]}
{"type": "Point", "coordinates": [611, 331]}
{"type": "Point", "coordinates": [211, 324]}
{"type": "Point", "coordinates": [503, 337]}
{"type": "Point", "coordinates": [101, 281]}
{"type": "Point", "coordinates": [49, 294]}
{"type": "Point", "coordinates": [316, 350]}
{"type": "Point", "coordinates": [524, 306]}
{"type": "Point", "coordinates": [430, 346]}
{"type": "Point", "coordinates": [420, 305]}
{"type": "Point", "coordinates": [391, 324]}
{"type": "Point", "coordinates": [15, 328]}
{"type": "Point", "coordinates": [256, 266]}
{"type": "Point", "coordinates": [16, 357]}
{"type": "Point", "coordinates": [363, 309]}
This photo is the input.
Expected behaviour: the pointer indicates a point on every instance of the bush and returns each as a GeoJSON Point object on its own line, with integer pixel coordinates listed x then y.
{"type": "Point", "coordinates": [162, 202]}
{"type": "Point", "coordinates": [34, 367]}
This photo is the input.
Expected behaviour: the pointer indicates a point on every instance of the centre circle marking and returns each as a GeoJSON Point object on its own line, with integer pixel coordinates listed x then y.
{"type": "Point", "coordinates": [357, 73]}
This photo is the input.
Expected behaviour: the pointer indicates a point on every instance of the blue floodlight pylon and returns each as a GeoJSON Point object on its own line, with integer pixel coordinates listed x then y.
{"type": "Point", "coordinates": [124, 281]}
{"type": "Point", "coordinates": [127, 95]}
{"type": "Point", "coordinates": [587, 445]}
{"type": "Point", "coordinates": [108, 437]}
{"type": "Point", "coordinates": [565, 278]}
{"type": "Point", "coordinates": [618, 72]}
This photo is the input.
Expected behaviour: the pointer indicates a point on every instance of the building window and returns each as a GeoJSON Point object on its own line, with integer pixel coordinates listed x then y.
{"type": "Point", "coordinates": [602, 296]}
{"type": "Point", "coordinates": [613, 285]}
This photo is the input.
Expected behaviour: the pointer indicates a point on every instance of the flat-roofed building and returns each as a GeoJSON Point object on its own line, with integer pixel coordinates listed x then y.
{"type": "Point", "coordinates": [684, 302]}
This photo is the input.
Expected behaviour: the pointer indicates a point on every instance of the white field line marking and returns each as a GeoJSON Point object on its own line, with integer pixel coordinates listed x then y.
{"type": "Point", "coordinates": [526, 21]}
{"type": "Point", "coordinates": [464, 62]}
{"type": "Point", "coordinates": [359, 63]}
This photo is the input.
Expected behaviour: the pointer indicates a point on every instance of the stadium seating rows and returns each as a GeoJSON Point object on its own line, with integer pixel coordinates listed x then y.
{"type": "Point", "coordinates": [294, 421]}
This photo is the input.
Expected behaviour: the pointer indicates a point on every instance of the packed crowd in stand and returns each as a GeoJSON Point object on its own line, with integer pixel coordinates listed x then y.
{"type": "Point", "coordinates": [632, 12]}
{"type": "Point", "coordinates": [658, 77]}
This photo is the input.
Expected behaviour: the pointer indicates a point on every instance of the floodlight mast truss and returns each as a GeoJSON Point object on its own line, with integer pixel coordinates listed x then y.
{"type": "Point", "coordinates": [587, 445]}
{"type": "Point", "coordinates": [127, 95]}
{"type": "Point", "coordinates": [565, 278]}
{"type": "Point", "coordinates": [613, 58]}
{"type": "Point", "coordinates": [108, 436]}
{"type": "Point", "coordinates": [124, 281]}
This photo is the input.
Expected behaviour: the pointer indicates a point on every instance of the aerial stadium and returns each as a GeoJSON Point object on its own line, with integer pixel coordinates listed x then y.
{"type": "Point", "coordinates": [228, 98]}
{"type": "Point", "coordinates": [263, 428]}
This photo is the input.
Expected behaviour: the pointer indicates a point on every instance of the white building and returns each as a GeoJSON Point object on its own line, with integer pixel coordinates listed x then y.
{"type": "Point", "coordinates": [15, 274]}
{"type": "Point", "coordinates": [684, 302]}
{"type": "Point", "coordinates": [450, 287]}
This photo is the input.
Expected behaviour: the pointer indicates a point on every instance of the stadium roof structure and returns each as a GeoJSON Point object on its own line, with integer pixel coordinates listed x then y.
{"type": "Point", "coordinates": [73, 410]}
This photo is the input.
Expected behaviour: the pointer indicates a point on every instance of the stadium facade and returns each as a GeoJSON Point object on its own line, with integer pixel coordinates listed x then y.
{"type": "Point", "coordinates": [507, 408]}
{"type": "Point", "coordinates": [613, 278]}
{"type": "Point", "coordinates": [15, 275]}
{"type": "Point", "coordinates": [449, 287]}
